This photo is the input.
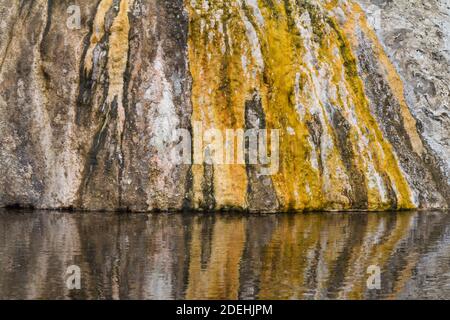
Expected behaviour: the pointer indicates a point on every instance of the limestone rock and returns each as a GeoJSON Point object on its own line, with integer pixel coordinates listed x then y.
{"type": "Point", "coordinates": [260, 106]}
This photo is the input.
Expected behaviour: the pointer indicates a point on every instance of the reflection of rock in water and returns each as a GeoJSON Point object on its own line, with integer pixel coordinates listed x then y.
{"type": "Point", "coordinates": [258, 235]}
{"type": "Point", "coordinates": [184, 256]}
{"type": "Point", "coordinates": [136, 256]}
{"type": "Point", "coordinates": [35, 251]}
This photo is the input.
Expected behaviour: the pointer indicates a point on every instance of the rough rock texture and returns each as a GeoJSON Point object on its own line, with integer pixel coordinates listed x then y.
{"type": "Point", "coordinates": [362, 104]}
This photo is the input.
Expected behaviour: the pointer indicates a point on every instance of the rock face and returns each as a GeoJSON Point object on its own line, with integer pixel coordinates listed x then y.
{"type": "Point", "coordinates": [261, 106]}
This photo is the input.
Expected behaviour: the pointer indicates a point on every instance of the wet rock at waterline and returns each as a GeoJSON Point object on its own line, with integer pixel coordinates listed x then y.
{"type": "Point", "coordinates": [261, 106]}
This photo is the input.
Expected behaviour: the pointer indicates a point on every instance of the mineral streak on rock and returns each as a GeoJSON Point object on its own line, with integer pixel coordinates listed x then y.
{"type": "Point", "coordinates": [87, 114]}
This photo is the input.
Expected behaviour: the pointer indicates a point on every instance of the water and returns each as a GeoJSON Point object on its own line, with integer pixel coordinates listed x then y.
{"type": "Point", "coordinates": [175, 256]}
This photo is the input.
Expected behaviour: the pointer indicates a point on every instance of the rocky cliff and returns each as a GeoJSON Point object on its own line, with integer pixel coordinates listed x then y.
{"type": "Point", "coordinates": [255, 105]}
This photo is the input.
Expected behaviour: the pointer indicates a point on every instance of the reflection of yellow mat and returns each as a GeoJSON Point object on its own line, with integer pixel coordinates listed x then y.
{"type": "Point", "coordinates": [219, 279]}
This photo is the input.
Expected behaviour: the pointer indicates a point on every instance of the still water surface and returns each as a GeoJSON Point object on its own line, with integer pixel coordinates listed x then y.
{"type": "Point", "coordinates": [312, 256]}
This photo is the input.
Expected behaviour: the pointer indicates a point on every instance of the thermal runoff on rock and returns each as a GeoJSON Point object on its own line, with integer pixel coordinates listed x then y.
{"type": "Point", "coordinates": [233, 105]}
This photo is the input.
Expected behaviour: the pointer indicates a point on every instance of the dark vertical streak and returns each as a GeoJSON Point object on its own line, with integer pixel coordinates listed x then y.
{"type": "Point", "coordinates": [390, 190]}
{"type": "Point", "coordinates": [261, 194]}
{"type": "Point", "coordinates": [86, 84]}
{"type": "Point", "coordinates": [209, 201]}
{"type": "Point", "coordinates": [315, 130]}
{"type": "Point", "coordinates": [48, 25]}
{"type": "Point", "coordinates": [357, 180]}
{"type": "Point", "coordinates": [91, 161]}
{"type": "Point", "coordinates": [126, 105]}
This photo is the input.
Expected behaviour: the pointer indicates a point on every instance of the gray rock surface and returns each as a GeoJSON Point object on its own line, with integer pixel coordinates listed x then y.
{"type": "Point", "coordinates": [89, 113]}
